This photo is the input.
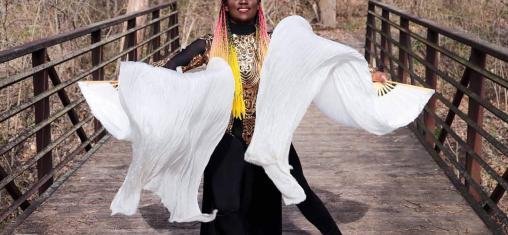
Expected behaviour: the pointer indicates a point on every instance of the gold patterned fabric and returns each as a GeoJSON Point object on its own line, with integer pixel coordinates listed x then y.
{"type": "Point", "coordinates": [248, 61]}
{"type": "Point", "coordinates": [160, 63]}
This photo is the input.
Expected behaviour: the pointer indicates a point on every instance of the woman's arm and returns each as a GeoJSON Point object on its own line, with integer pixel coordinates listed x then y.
{"type": "Point", "coordinates": [184, 57]}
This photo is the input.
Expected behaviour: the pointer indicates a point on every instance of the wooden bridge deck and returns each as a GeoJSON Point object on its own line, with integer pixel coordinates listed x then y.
{"type": "Point", "coordinates": [371, 184]}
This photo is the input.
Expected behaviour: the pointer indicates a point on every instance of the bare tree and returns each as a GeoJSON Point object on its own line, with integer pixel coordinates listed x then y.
{"type": "Point", "coordinates": [133, 6]}
{"type": "Point", "coordinates": [328, 10]}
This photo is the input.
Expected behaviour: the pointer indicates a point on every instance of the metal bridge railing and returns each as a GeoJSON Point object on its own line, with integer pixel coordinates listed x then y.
{"type": "Point", "coordinates": [454, 132]}
{"type": "Point", "coordinates": [55, 96]}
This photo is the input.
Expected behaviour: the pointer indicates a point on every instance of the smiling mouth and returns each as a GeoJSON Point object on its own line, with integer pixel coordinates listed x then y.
{"type": "Point", "coordinates": [243, 10]}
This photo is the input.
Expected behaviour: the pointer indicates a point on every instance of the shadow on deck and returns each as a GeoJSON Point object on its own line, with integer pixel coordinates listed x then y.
{"type": "Point", "coordinates": [371, 184]}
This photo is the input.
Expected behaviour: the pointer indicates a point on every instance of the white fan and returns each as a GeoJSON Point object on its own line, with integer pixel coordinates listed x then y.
{"type": "Point", "coordinates": [389, 86]}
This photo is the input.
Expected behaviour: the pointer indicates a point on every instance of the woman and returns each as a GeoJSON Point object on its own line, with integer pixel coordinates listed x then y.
{"type": "Point", "coordinates": [247, 200]}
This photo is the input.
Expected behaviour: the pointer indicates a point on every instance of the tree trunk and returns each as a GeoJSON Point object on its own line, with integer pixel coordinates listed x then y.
{"type": "Point", "coordinates": [133, 6]}
{"type": "Point", "coordinates": [328, 10]}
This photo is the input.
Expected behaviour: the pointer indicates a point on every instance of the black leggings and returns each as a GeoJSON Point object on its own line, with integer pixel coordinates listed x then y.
{"type": "Point", "coordinates": [312, 208]}
{"type": "Point", "coordinates": [247, 200]}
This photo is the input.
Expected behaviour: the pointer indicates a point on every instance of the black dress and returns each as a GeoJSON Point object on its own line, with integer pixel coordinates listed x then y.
{"type": "Point", "coordinates": [247, 200]}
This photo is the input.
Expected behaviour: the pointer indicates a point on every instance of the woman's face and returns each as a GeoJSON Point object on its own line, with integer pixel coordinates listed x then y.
{"type": "Point", "coordinates": [242, 11]}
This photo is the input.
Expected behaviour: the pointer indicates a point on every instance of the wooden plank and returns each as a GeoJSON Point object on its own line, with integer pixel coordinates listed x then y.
{"type": "Point", "coordinates": [370, 184]}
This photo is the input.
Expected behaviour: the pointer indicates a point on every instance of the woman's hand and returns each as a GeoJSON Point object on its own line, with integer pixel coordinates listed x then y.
{"type": "Point", "coordinates": [378, 76]}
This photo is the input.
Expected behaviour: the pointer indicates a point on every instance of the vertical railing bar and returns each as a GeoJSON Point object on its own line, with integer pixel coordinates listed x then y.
{"type": "Point", "coordinates": [410, 57]}
{"type": "Point", "coordinates": [96, 37]}
{"type": "Point", "coordinates": [173, 33]}
{"type": "Point", "coordinates": [369, 45]}
{"type": "Point", "coordinates": [432, 57]}
{"type": "Point", "coordinates": [43, 136]}
{"type": "Point", "coordinates": [475, 112]}
{"type": "Point", "coordinates": [98, 75]}
{"type": "Point", "coordinates": [404, 40]}
{"type": "Point", "coordinates": [171, 22]}
{"type": "Point", "coordinates": [377, 58]}
{"type": "Point", "coordinates": [131, 40]}
{"type": "Point", "coordinates": [155, 43]}
{"type": "Point", "coordinates": [385, 42]}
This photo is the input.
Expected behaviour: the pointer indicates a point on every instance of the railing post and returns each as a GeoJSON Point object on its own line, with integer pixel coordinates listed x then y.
{"type": "Point", "coordinates": [432, 57]}
{"type": "Point", "coordinates": [173, 33]}
{"type": "Point", "coordinates": [404, 40]}
{"type": "Point", "coordinates": [43, 136]}
{"type": "Point", "coordinates": [95, 37]}
{"type": "Point", "coordinates": [369, 45]}
{"type": "Point", "coordinates": [131, 40]}
{"type": "Point", "coordinates": [475, 112]}
{"type": "Point", "coordinates": [386, 43]}
{"type": "Point", "coordinates": [155, 43]}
